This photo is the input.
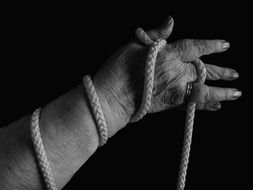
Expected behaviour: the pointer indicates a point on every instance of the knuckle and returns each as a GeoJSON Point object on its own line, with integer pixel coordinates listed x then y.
{"type": "Point", "coordinates": [188, 44]}
{"type": "Point", "coordinates": [222, 73]}
{"type": "Point", "coordinates": [201, 106]}
{"type": "Point", "coordinates": [224, 94]}
{"type": "Point", "coordinates": [203, 47]}
{"type": "Point", "coordinates": [197, 44]}
{"type": "Point", "coordinates": [207, 93]}
{"type": "Point", "coordinates": [182, 45]}
{"type": "Point", "coordinates": [212, 75]}
{"type": "Point", "coordinates": [188, 49]}
{"type": "Point", "coordinates": [229, 93]}
{"type": "Point", "coordinates": [208, 106]}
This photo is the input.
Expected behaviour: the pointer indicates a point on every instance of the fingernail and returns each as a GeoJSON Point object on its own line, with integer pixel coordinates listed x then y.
{"type": "Point", "coordinates": [217, 106]}
{"type": "Point", "coordinates": [225, 45]}
{"type": "Point", "coordinates": [237, 94]}
{"type": "Point", "coordinates": [169, 19]}
{"type": "Point", "coordinates": [235, 74]}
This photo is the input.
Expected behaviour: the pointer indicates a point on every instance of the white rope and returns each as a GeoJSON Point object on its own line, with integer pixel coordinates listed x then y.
{"type": "Point", "coordinates": [40, 151]}
{"type": "Point", "coordinates": [143, 110]}
{"type": "Point", "coordinates": [201, 73]}
{"type": "Point", "coordinates": [37, 140]}
{"type": "Point", "coordinates": [149, 78]}
{"type": "Point", "coordinates": [96, 110]}
{"type": "Point", "coordinates": [147, 95]}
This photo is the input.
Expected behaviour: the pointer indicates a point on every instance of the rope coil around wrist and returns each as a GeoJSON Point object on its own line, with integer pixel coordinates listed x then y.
{"type": "Point", "coordinates": [40, 151]}
{"type": "Point", "coordinates": [96, 110]}
{"type": "Point", "coordinates": [37, 140]}
{"type": "Point", "coordinates": [147, 95]}
{"type": "Point", "coordinates": [144, 108]}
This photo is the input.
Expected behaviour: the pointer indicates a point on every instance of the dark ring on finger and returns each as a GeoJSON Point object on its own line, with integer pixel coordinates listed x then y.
{"type": "Point", "coordinates": [188, 91]}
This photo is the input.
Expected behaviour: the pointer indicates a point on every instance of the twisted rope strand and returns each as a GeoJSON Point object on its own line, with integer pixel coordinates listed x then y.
{"type": "Point", "coordinates": [147, 95]}
{"type": "Point", "coordinates": [37, 140]}
{"type": "Point", "coordinates": [40, 151]}
{"type": "Point", "coordinates": [144, 108]}
{"type": "Point", "coordinates": [201, 73]}
{"type": "Point", "coordinates": [96, 110]}
{"type": "Point", "coordinates": [190, 113]}
{"type": "Point", "coordinates": [149, 79]}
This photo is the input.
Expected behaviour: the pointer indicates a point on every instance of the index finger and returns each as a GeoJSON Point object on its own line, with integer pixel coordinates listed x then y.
{"type": "Point", "coordinates": [191, 49]}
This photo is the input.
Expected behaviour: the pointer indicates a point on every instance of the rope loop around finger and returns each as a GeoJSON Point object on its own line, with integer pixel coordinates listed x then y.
{"type": "Point", "coordinates": [155, 48]}
{"type": "Point", "coordinates": [201, 70]}
{"type": "Point", "coordinates": [147, 95]}
{"type": "Point", "coordinates": [190, 114]}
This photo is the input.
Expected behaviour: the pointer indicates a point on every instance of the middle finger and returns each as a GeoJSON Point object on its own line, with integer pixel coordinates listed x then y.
{"type": "Point", "coordinates": [190, 49]}
{"type": "Point", "coordinates": [220, 73]}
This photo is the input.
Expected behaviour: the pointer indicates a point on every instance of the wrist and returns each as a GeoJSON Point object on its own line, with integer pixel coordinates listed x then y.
{"type": "Point", "coordinates": [70, 115]}
{"type": "Point", "coordinates": [117, 111]}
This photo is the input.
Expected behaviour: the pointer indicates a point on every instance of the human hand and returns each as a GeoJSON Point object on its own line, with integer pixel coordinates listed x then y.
{"type": "Point", "coordinates": [175, 72]}
{"type": "Point", "coordinates": [122, 77]}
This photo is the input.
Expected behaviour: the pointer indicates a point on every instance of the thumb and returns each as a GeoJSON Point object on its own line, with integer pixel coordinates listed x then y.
{"type": "Point", "coordinates": [164, 31]}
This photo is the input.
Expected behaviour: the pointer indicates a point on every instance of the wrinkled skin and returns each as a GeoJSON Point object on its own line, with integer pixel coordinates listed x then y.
{"type": "Point", "coordinates": [123, 74]}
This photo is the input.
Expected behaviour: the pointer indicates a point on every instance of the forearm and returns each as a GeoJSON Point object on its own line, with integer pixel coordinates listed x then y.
{"type": "Point", "coordinates": [69, 136]}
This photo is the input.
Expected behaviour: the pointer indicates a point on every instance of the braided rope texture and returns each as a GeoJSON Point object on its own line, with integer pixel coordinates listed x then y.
{"type": "Point", "coordinates": [146, 101]}
{"type": "Point", "coordinates": [40, 151]}
{"type": "Point", "coordinates": [144, 108]}
{"type": "Point", "coordinates": [96, 110]}
{"type": "Point", "coordinates": [201, 73]}
{"type": "Point", "coordinates": [190, 113]}
{"type": "Point", "coordinates": [149, 79]}
{"type": "Point", "coordinates": [37, 140]}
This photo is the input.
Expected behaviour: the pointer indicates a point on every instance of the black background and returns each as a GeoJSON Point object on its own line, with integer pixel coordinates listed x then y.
{"type": "Point", "coordinates": [46, 49]}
